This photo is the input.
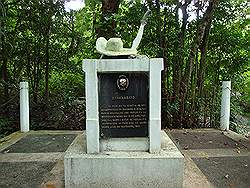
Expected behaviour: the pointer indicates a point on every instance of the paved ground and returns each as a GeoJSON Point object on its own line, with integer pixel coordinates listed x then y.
{"type": "Point", "coordinates": [44, 143]}
{"type": "Point", "coordinates": [34, 159]}
{"type": "Point", "coordinates": [24, 174]}
{"type": "Point", "coordinates": [212, 158]}
{"type": "Point", "coordinates": [226, 171]}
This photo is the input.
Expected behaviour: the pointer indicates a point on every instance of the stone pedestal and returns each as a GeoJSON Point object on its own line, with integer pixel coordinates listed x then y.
{"type": "Point", "coordinates": [123, 146]}
{"type": "Point", "coordinates": [123, 169]}
{"type": "Point", "coordinates": [152, 67]}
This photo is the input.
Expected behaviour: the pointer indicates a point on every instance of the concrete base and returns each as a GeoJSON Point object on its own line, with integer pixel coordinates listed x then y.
{"type": "Point", "coordinates": [123, 169]}
{"type": "Point", "coordinates": [124, 144]}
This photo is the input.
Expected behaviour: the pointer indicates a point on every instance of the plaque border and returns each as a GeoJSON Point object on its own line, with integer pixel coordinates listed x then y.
{"type": "Point", "coordinates": [92, 66]}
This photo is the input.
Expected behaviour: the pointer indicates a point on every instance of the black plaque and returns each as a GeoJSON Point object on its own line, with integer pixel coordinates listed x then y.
{"type": "Point", "coordinates": [123, 105]}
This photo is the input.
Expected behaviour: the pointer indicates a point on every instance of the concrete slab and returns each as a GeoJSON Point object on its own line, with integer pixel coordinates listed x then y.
{"type": "Point", "coordinates": [205, 153]}
{"type": "Point", "coordinates": [41, 143]}
{"type": "Point", "coordinates": [124, 144]}
{"type": "Point", "coordinates": [193, 176]}
{"type": "Point", "coordinates": [11, 139]}
{"type": "Point", "coordinates": [17, 169]}
{"type": "Point", "coordinates": [24, 174]}
{"type": "Point", "coordinates": [226, 171]}
{"type": "Point", "coordinates": [56, 178]}
{"type": "Point", "coordinates": [123, 169]}
{"type": "Point", "coordinates": [239, 138]}
{"type": "Point", "coordinates": [30, 157]}
{"type": "Point", "coordinates": [203, 145]}
{"type": "Point", "coordinates": [191, 139]}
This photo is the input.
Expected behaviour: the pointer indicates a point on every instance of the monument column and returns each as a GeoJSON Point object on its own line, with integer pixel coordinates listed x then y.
{"type": "Point", "coordinates": [156, 66]}
{"type": "Point", "coordinates": [125, 145]}
{"type": "Point", "coordinates": [92, 117]}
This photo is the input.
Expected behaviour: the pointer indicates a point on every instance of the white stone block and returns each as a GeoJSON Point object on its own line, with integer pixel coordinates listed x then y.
{"type": "Point", "coordinates": [118, 65]}
{"type": "Point", "coordinates": [124, 144]}
{"type": "Point", "coordinates": [24, 107]}
{"type": "Point", "coordinates": [94, 66]}
{"type": "Point", "coordinates": [92, 130]}
{"type": "Point", "coordinates": [154, 135]}
{"type": "Point", "coordinates": [123, 169]}
{"type": "Point", "coordinates": [92, 118]}
{"type": "Point", "coordinates": [225, 105]}
{"type": "Point", "coordinates": [156, 66]}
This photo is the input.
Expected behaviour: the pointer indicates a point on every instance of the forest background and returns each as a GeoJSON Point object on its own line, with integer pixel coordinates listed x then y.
{"type": "Point", "coordinates": [202, 42]}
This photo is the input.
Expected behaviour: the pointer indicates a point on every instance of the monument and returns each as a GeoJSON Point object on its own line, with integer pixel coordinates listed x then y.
{"type": "Point", "coordinates": [123, 145]}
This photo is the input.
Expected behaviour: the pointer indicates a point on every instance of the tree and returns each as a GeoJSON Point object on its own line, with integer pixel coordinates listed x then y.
{"type": "Point", "coordinates": [109, 9]}
{"type": "Point", "coordinates": [201, 42]}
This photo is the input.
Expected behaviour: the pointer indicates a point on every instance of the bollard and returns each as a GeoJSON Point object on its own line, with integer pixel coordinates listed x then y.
{"type": "Point", "coordinates": [24, 106]}
{"type": "Point", "coordinates": [225, 105]}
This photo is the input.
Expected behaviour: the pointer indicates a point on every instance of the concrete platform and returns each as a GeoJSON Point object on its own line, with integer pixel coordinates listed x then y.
{"type": "Point", "coordinates": [123, 169]}
{"type": "Point", "coordinates": [43, 143]}
{"type": "Point", "coordinates": [195, 139]}
{"type": "Point", "coordinates": [24, 174]}
{"type": "Point", "coordinates": [213, 158]}
{"type": "Point", "coordinates": [206, 165]}
{"type": "Point", "coordinates": [226, 172]}
{"type": "Point", "coordinates": [34, 159]}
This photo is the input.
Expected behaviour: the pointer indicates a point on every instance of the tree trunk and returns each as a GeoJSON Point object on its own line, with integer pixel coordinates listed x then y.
{"type": "Point", "coordinates": [4, 69]}
{"type": "Point", "coordinates": [150, 4]}
{"type": "Point", "coordinates": [179, 58]}
{"type": "Point", "coordinates": [165, 60]}
{"type": "Point", "coordinates": [37, 77]}
{"type": "Point", "coordinates": [47, 57]}
{"type": "Point", "coordinates": [47, 70]}
{"type": "Point", "coordinates": [194, 106]}
{"type": "Point", "coordinates": [161, 43]}
{"type": "Point", "coordinates": [176, 66]}
{"type": "Point", "coordinates": [109, 7]}
{"type": "Point", "coordinates": [203, 50]}
{"type": "Point", "coordinates": [182, 34]}
{"type": "Point", "coordinates": [206, 20]}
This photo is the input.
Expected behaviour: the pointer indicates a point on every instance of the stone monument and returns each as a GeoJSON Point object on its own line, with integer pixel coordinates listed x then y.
{"type": "Point", "coordinates": [123, 145]}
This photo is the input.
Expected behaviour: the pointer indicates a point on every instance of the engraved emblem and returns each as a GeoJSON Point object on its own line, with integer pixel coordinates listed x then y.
{"type": "Point", "coordinates": [122, 82]}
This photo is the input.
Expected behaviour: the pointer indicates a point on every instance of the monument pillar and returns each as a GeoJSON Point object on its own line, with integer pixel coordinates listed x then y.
{"type": "Point", "coordinates": [123, 145]}
{"type": "Point", "coordinates": [152, 69]}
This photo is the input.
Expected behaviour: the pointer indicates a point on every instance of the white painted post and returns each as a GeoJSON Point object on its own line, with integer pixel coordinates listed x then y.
{"type": "Point", "coordinates": [92, 114]}
{"type": "Point", "coordinates": [156, 66]}
{"type": "Point", "coordinates": [225, 105]}
{"type": "Point", "coordinates": [24, 106]}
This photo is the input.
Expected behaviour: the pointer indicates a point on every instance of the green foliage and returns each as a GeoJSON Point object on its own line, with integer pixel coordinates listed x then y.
{"type": "Point", "coordinates": [70, 83]}
{"type": "Point", "coordinates": [4, 124]}
{"type": "Point", "coordinates": [39, 38]}
{"type": "Point", "coordinates": [7, 126]}
{"type": "Point", "coordinates": [229, 50]}
{"type": "Point", "coordinates": [246, 88]}
{"type": "Point", "coordinates": [91, 2]}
